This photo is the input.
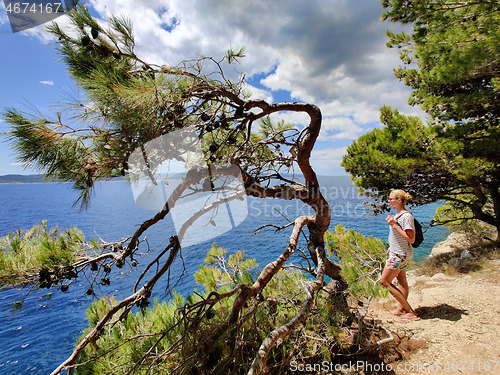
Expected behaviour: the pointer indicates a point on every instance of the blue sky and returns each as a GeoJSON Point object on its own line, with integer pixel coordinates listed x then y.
{"type": "Point", "coordinates": [31, 75]}
{"type": "Point", "coordinates": [328, 52]}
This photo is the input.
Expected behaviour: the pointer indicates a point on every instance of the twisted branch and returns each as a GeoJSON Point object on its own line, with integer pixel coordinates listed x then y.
{"type": "Point", "coordinates": [260, 359]}
{"type": "Point", "coordinates": [128, 302]}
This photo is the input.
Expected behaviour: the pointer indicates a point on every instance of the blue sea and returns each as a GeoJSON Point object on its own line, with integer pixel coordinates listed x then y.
{"type": "Point", "coordinates": [38, 337]}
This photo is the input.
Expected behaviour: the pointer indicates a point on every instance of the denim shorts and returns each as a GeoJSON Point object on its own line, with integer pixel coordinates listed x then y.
{"type": "Point", "coordinates": [397, 261]}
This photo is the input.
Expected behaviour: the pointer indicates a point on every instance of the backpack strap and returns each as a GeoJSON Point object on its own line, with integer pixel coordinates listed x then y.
{"type": "Point", "coordinates": [398, 216]}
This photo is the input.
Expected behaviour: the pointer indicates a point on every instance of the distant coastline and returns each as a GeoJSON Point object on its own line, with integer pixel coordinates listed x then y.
{"type": "Point", "coordinates": [23, 179]}
{"type": "Point", "coordinates": [36, 179]}
{"type": "Point", "coordinates": [40, 178]}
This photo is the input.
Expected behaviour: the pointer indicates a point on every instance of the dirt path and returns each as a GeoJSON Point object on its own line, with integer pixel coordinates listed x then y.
{"type": "Point", "coordinates": [459, 329]}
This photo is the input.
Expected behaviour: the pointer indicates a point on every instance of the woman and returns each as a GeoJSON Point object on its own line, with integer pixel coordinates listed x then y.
{"type": "Point", "coordinates": [401, 236]}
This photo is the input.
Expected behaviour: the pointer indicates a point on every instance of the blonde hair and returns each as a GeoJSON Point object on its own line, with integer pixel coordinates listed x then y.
{"type": "Point", "coordinates": [403, 195]}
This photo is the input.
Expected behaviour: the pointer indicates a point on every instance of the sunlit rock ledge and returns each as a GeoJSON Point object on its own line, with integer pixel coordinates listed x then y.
{"type": "Point", "coordinates": [455, 241]}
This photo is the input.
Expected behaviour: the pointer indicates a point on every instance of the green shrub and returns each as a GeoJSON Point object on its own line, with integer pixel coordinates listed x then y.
{"type": "Point", "coordinates": [362, 260]}
{"type": "Point", "coordinates": [177, 337]}
{"type": "Point", "coordinates": [459, 219]}
{"type": "Point", "coordinates": [24, 253]}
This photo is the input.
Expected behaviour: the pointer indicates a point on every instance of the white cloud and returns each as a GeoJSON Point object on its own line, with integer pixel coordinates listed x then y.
{"type": "Point", "coordinates": [3, 14]}
{"type": "Point", "coordinates": [329, 153]}
{"type": "Point", "coordinates": [328, 52]}
{"type": "Point", "coordinates": [256, 93]}
{"type": "Point", "coordinates": [327, 161]}
{"type": "Point", "coordinates": [49, 83]}
{"type": "Point", "coordinates": [43, 35]}
{"type": "Point", "coordinates": [335, 128]}
{"type": "Point", "coordinates": [321, 49]}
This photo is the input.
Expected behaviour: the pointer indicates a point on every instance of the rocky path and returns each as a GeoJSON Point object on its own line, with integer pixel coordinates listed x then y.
{"type": "Point", "coordinates": [459, 327]}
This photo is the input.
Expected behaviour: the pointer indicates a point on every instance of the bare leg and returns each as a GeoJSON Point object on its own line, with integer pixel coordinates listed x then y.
{"type": "Point", "coordinates": [386, 280]}
{"type": "Point", "coordinates": [403, 287]}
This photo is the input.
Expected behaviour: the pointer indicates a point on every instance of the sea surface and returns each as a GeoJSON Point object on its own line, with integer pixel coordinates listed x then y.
{"type": "Point", "coordinates": [36, 338]}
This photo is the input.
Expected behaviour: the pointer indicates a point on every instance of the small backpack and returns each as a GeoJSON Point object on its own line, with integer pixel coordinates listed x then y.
{"type": "Point", "coordinates": [419, 234]}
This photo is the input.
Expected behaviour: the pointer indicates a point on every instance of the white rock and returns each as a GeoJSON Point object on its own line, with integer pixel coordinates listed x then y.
{"type": "Point", "coordinates": [454, 241]}
{"type": "Point", "coordinates": [466, 254]}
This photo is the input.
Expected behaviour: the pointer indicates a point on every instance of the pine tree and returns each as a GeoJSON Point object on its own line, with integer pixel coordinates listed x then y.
{"type": "Point", "coordinates": [126, 104]}
{"type": "Point", "coordinates": [451, 63]}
